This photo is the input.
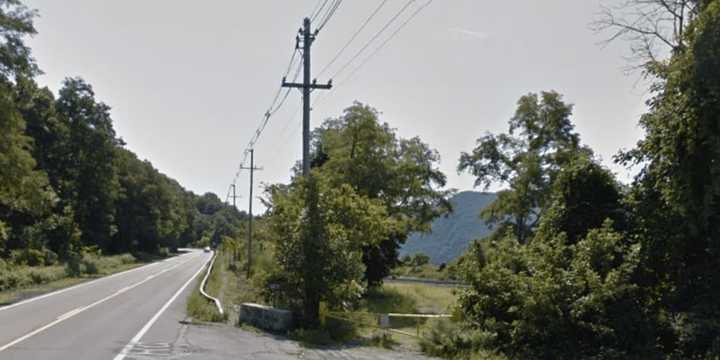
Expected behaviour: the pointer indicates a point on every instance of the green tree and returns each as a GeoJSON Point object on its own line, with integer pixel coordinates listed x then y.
{"type": "Point", "coordinates": [571, 293]}
{"type": "Point", "coordinates": [402, 174]}
{"type": "Point", "coordinates": [320, 230]}
{"type": "Point", "coordinates": [540, 141]}
{"type": "Point", "coordinates": [86, 172]}
{"type": "Point", "coordinates": [16, 23]}
{"type": "Point", "coordinates": [677, 193]}
{"type": "Point", "coordinates": [24, 191]}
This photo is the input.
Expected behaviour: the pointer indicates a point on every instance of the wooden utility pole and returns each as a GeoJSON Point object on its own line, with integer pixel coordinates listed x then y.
{"type": "Point", "coordinates": [234, 197]}
{"type": "Point", "coordinates": [252, 169]}
{"type": "Point", "coordinates": [307, 39]}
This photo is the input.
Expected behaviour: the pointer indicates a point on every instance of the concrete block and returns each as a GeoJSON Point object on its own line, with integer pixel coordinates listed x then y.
{"type": "Point", "coordinates": [266, 317]}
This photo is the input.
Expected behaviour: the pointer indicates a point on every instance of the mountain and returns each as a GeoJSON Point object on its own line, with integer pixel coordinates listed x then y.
{"type": "Point", "coordinates": [452, 235]}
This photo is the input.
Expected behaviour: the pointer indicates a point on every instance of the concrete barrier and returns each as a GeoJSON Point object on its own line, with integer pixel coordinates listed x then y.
{"type": "Point", "coordinates": [266, 317]}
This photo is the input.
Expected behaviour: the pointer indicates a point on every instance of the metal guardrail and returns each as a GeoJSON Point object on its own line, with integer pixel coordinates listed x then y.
{"type": "Point", "coordinates": [383, 321]}
{"type": "Point", "coordinates": [416, 280]}
{"type": "Point", "coordinates": [204, 281]}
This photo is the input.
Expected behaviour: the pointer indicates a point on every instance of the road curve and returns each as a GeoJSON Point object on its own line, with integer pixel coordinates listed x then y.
{"type": "Point", "coordinates": [101, 319]}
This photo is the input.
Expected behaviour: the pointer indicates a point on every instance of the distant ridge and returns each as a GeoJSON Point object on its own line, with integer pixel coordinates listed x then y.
{"type": "Point", "coordinates": [452, 235]}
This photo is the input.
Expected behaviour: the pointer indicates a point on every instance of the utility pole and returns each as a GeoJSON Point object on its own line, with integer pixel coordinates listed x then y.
{"type": "Point", "coordinates": [307, 39]}
{"type": "Point", "coordinates": [234, 197]}
{"type": "Point", "coordinates": [252, 169]}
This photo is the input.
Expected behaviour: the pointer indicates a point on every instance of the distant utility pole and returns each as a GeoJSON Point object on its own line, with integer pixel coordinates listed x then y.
{"type": "Point", "coordinates": [234, 197]}
{"type": "Point", "coordinates": [252, 169]}
{"type": "Point", "coordinates": [307, 39]}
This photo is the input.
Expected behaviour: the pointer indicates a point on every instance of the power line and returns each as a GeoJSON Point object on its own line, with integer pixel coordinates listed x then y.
{"type": "Point", "coordinates": [328, 15]}
{"type": "Point", "coordinates": [353, 37]}
{"type": "Point", "coordinates": [376, 51]}
{"type": "Point", "coordinates": [272, 109]}
{"type": "Point", "coordinates": [375, 37]}
{"type": "Point", "coordinates": [318, 9]}
{"type": "Point", "coordinates": [384, 43]}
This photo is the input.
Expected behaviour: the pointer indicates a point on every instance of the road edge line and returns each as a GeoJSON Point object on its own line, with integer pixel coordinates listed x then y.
{"type": "Point", "coordinates": [134, 341]}
{"type": "Point", "coordinates": [77, 286]}
{"type": "Point", "coordinates": [79, 310]}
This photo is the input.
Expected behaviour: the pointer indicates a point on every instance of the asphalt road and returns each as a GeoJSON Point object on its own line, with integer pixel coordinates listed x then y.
{"type": "Point", "coordinates": [106, 318]}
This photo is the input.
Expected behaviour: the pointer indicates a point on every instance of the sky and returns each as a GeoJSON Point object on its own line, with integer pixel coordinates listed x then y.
{"type": "Point", "coordinates": [188, 82]}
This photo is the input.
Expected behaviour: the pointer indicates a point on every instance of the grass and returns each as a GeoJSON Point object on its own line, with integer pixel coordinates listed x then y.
{"type": "Point", "coordinates": [228, 284]}
{"type": "Point", "coordinates": [428, 299]}
{"type": "Point", "coordinates": [23, 282]}
{"type": "Point", "coordinates": [404, 299]}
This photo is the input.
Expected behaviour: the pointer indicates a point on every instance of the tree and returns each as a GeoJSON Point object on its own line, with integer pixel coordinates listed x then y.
{"type": "Point", "coordinates": [584, 196]}
{"type": "Point", "coordinates": [24, 191]}
{"type": "Point", "coordinates": [402, 174]}
{"type": "Point", "coordinates": [541, 140]}
{"type": "Point", "coordinates": [651, 26]}
{"type": "Point", "coordinates": [320, 230]}
{"type": "Point", "coordinates": [86, 176]}
{"type": "Point", "coordinates": [677, 193]}
{"type": "Point", "coordinates": [16, 23]}
{"type": "Point", "coordinates": [571, 293]}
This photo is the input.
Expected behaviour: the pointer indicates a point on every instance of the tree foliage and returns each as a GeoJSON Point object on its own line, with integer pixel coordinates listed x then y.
{"type": "Point", "coordinates": [319, 232]}
{"type": "Point", "coordinates": [402, 174]}
{"type": "Point", "coordinates": [67, 182]}
{"type": "Point", "coordinates": [541, 140]}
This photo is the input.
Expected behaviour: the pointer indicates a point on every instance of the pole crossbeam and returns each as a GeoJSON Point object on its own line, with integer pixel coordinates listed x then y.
{"type": "Point", "coordinates": [307, 85]}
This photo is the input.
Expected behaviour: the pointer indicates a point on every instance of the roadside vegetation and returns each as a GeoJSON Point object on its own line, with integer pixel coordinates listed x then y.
{"type": "Point", "coordinates": [19, 281]}
{"type": "Point", "coordinates": [579, 266]}
{"type": "Point", "coordinates": [74, 201]}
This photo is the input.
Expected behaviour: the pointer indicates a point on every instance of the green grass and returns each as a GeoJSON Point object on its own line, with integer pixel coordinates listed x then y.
{"type": "Point", "coordinates": [428, 299]}
{"type": "Point", "coordinates": [228, 284]}
{"type": "Point", "coordinates": [22, 282]}
{"type": "Point", "coordinates": [201, 309]}
{"type": "Point", "coordinates": [404, 299]}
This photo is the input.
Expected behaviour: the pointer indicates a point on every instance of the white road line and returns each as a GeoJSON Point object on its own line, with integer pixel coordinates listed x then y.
{"type": "Point", "coordinates": [126, 350]}
{"type": "Point", "coordinates": [70, 313]}
{"type": "Point", "coordinates": [79, 310]}
{"type": "Point", "coordinates": [58, 292]}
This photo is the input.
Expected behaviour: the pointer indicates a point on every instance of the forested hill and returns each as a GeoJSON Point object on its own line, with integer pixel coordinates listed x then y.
{"type": "Point", "coordinates": [68, 184]}
{"type": "Point", "coordinates": [451, 235]}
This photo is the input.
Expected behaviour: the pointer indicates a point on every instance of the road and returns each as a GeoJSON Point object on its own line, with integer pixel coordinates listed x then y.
{"type": "Point", "coordinates": [140, 315]}
{"type": "Point", "coordinates": [107, 318]}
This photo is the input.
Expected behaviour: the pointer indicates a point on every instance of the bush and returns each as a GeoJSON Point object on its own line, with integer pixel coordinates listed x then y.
{"type": "Point", "coordinates": [448, 339]}
{"type": "Point", "coordinates": [13, 279]}
{"type": "Point", "coordinates": [51, 258]}
{"type": "Point", "coordinates": [164, 252]}
{"type": "Point", "coordinates": [90, 265]}
{"type": "Point", "coordinates": [45, 274]}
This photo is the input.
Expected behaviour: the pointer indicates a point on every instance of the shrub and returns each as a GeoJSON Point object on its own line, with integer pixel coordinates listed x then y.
{"type": "Point", "coordinates": [449, 339]}
{"type": "Point", "coordinates": [13, 279]}
{"type": "Point", "coordinates": [164, 252]}
{"type": "Point", "coordinates": [90, 265]}
{"type": "Point", "coordinates": [51, 258]}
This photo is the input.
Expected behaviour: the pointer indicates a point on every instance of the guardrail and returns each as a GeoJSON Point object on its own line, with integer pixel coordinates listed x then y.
{"type": "Point", "coordinates": [204, 281]}
{"type": "Point", "coordinates": [383, 320]}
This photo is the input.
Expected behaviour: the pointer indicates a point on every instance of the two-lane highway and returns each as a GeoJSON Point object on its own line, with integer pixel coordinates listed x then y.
{"type": "Point", "coordinates": [102, 319]}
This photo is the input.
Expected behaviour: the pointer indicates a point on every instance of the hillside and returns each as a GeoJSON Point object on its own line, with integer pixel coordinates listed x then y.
{"type": "Point", "coordinates": [451, 235]}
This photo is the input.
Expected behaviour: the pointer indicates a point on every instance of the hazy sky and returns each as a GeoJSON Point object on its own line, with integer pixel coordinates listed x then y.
{"type": "Point", "coordinates": [189, 81]}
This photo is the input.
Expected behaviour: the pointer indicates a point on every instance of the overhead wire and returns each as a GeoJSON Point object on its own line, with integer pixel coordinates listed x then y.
{"type": "Point", "coordinates": [373, 39]}
{"type": "Point", "coordinates": [384, 43]}
{"type": "Point", "coordinates": [328, 15]}
{"type": "Point", "coordinates": [318, 9]}
{"type": "Point", "coordinates": [353, 37]}
{"type": "Point", "coordinates": [376, 51]}
{"type": "Point", "coordinates": [277, 102]}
